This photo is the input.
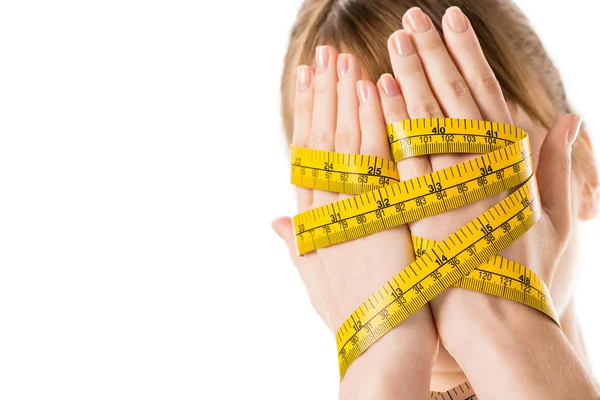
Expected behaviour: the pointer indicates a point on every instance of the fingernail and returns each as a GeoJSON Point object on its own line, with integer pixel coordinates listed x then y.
{"type": "Point", "coordinates": [363, 91]}
{"type": "Point", "coordinates": [389, 85]}
{"type": "Point", "coordinates": [322, 59]}
{"type": "Point", "coordinates": [418, 20]}
{"type": "Point", "coordinates": [574, 129]}
{"type": "Point", "coordinates": [303, 77]}
{"type": "Point", "coordinates": [403, 43]}
{"type": "Point", "coordinates": [457, 19]}
{"type": "Point", "coordinates": [342, 65]}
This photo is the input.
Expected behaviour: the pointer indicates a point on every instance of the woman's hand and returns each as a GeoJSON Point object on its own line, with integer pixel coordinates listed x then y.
{"type": "Point", "coordinates": [457, 82]}
{"type": "Point", "coordinates": [329, 115]}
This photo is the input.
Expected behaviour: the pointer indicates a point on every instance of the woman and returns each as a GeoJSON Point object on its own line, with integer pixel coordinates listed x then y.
{"type": "Point", "coordinates": [506, 77]}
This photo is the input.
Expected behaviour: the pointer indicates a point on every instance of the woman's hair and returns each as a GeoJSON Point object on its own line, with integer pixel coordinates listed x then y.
{"type": "Point", "coordinates": [362, 27]}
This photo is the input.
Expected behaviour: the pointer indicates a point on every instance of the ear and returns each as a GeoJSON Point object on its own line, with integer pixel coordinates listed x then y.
{"type": "Point", "coordinates": [587, 176]}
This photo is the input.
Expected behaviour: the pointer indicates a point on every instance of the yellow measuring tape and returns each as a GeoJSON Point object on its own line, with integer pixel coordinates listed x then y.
{"type": "Point", "coordinates": [467, 259]}
{"type": "Point", "coordinates": [464, 391]}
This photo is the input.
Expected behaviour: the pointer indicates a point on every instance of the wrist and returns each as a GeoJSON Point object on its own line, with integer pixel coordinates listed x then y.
{"type": "Point", "coordinates": [502, 343]}
{"type": "Point", "coordinates": [397, 364]}
{"type": "Point", "coordinates": [466, 318]}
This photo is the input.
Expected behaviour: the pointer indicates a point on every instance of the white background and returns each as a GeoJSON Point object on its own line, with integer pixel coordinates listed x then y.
{"type": "Point", "coordinates": [136, 256]}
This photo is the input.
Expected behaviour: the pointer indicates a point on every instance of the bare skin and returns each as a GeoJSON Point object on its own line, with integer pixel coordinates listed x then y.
{"type": "Point", "coordinates": [336, 110]}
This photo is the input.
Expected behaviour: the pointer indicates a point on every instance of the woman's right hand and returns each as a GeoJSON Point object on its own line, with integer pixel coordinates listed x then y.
{"type": "Point", "coordinates": [336, 111]}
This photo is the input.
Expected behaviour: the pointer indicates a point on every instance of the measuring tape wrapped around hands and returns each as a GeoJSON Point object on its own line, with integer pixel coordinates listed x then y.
{"type": "Point", "coordinates": [467, 258]}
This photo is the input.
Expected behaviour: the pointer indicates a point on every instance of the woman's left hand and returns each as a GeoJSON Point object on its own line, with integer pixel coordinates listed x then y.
{"type": "Point", "coordinates": [455, 80]}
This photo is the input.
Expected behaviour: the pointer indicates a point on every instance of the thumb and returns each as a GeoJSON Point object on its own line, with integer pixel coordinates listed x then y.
{"type": "Point", "coordinates": [283, 228]}
{"type": "Point", "coordinates": [554, 172]}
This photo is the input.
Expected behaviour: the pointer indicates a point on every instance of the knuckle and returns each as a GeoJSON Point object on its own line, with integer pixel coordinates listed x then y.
{"type": "Point", "coordinates": [346, 88]}
{"type": "Point", "coordinates": [394, 110]}
{"type": "Point", "coordinates": [321, 140]}
{"type": "Point", "coordinates": [489, 83]}
{"type": "Point", "coordinates": [411, 67]}
{"type": "Point", "coordinates": [425, 109]}
{"type": "Point", "coordinates": [367, 126]}
{"type": "Point", "coordinates": [372, 145]}
{"type": "Point", "coordinates": [372, 149]}
{"type": "Point", "coordinates": [303, 101]}
{"type": "Point", "coordinates": [324, 87]}
{"type": "Point", "coordinates": [458, 87]}
{"type": "Point", "coordinates": [312, 141]}
{"type": "Point", "coordinates": [344, 138]}
{"type": "Point", "coordinates": [303, 116]}
{"type": "Point", "coordinates": [468, 44]}
{"type": "Point", "coordinates": [395, 115]}
{"type": "Point", "coordinates": [434, 44]}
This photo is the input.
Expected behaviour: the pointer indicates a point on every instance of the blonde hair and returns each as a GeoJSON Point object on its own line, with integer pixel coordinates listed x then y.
{"type": "Point", "coordinates": [361, 27]}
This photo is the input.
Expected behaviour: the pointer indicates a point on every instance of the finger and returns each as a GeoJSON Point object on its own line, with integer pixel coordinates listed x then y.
{"type": "Point", "coordinates": [322, 136]}
{"type": "Point", "coordinates": [303, 106]}
{"type": "Point", "coordinates": [394, 109]}
{"type": "Point", "coordinates": [283, 227]}
{"type": "Point", "coordinates": [347, 135]}
{"type": "Point", "coordinates": [418, 99]}
{"type": "Point", "coordinates": [420, 103]}
{"type": "Point", "coordinates": [374, 140]}
{"type": "Point", "coordinates": [554, 173]}
{"type": "Point", "coordinates": [468, 56]}
{"type": "Point", "coordinates": [446, 82]}
{"type": "Point", "coordinates": [372, 123]}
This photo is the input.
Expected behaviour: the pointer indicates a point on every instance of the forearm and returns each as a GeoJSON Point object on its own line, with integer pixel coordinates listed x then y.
{"type": "Point", "coordinates": [509, 350]}
{"type": "Point", "coordinates": [398, 366]}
